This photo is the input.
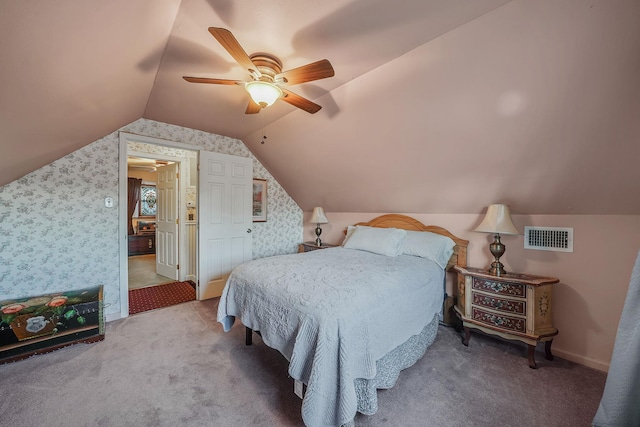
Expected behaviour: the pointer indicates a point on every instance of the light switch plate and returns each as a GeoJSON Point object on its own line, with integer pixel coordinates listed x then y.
{"type": "Point", "coordinates": [108, 202]}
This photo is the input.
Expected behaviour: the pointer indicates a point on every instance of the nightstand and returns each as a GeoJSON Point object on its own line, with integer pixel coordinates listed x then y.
{"type": "Point", "coordinates": [311, 246]}
{"type": "Point", "coordinates": [512, 306]}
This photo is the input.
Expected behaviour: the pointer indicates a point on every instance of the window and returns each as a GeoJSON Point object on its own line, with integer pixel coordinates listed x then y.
{"type": "Point", "coordinates": [148, 200]}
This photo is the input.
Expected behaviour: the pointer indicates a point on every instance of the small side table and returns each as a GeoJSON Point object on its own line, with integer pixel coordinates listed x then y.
{"type": "Point", "coordinates": [311, 246]}
{"type": "Point", "coordinates": [512, 306]}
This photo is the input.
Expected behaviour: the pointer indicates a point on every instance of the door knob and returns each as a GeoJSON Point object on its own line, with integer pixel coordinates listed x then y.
{"type": "Point", "coordinates": [248, 230]}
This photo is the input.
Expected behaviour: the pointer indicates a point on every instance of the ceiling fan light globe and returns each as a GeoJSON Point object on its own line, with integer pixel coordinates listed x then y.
{"type": "Point", "coordinates": [263, 93]}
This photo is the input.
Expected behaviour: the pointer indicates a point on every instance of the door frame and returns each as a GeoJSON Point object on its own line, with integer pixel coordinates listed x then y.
{"type": "Point", "coordinates": [124, 139]}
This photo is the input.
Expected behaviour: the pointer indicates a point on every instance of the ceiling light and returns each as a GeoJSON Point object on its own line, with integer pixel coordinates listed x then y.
{"type": "Point", "coordinates": [263, 93]}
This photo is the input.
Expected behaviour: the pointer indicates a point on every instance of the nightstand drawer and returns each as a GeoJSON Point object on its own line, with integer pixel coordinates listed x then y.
{"type": "Point", "coordinates": [500, 304]}
{"type": "Point", "coordinates": [516, 324]}
{"type": "Point", "coordinates": [500, 287]}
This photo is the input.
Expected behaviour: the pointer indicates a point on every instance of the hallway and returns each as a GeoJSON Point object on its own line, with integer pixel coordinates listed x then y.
{"type": "Point", "coordinates": [142, 272]}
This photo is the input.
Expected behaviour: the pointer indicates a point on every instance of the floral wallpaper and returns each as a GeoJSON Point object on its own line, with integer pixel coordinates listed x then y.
{"type": "Point", "coordinates": [58, 235]}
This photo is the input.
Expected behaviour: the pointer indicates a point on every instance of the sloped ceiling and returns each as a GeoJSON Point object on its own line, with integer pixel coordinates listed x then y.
{"type": "Point", "coordinates": [437, 105]}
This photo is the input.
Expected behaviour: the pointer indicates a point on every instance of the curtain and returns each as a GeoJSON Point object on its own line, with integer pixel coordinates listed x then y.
{"type": "Point", "coordinates": [620, 404]}
{"type": "Point", "coordinates": [133, 198]}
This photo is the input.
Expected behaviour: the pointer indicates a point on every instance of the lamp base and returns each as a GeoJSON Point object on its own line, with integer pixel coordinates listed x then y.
{"type": "Point", "coordinates": [497, 250]}
{"type": "Point", "coordinates": [318, 232]}
{"type": "Point", "coordinates": [497, 269]}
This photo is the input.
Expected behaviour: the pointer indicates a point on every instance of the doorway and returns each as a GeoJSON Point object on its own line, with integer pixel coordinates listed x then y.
{"type": "Point", "coordinates": [214, 213]}
{"type": "Point", "coordinates": [161, 233]}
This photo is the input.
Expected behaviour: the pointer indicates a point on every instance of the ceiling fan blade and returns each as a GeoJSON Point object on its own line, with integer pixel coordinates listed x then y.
{"type": "Point", "coordinates": [252, 107]}
{"type": "Point", "coordinates": [229, 42]}
{"type": "Point", "coordinates": [212, 81]}
{"type": "Point", "coordinates": [307, 73]}
{"type": "Point", "coordinates": [300, 102]}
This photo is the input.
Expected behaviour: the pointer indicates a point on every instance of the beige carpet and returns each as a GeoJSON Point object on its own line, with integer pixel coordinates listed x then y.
{"type": "Point", "coordinates": [176, 367]}
{"type": "Point", "coordinates": [142, 272]}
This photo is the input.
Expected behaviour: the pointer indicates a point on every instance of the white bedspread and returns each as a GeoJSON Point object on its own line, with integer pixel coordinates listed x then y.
{"type": "Point", "coordinates": [332, 313]}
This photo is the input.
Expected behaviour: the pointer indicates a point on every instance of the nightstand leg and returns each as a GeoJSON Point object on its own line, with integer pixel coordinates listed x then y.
{"type": "Point", "coordinates": [532, 360]}
{"type": "Point", "coordinates": [467, 336]}
{"type": "Point", "coordinates": [547, 350]}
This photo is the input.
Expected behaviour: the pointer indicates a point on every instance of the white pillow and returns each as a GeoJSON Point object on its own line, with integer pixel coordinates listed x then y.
{"type": "Point", "coordinates": [350, 230]}
{"type": "Point", "coordinates": [436, 247]}
{"type": "Point", "coordinates": [383, 241]}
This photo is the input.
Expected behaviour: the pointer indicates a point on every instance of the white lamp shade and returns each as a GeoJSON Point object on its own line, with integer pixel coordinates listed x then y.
{"type": "Point", "coordinates": [263, 93]}
{"type": "Point", "coordinates": [318, 216]}
{"type": "Point", "coordinates": [497, 220]}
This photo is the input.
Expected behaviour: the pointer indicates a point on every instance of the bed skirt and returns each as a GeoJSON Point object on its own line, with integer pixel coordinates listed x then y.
{"type": "Point", "coordinates": [388, 368]}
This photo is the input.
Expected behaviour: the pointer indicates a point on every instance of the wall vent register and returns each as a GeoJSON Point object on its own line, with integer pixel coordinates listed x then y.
{"type": "Point", "coordinates": [559, 239]}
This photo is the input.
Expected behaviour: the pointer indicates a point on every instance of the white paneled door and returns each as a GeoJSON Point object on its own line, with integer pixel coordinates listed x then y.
{"type": "Point", "coordinates": [167, 221]}
{"type": "Point", "coordinates": [225, 240]}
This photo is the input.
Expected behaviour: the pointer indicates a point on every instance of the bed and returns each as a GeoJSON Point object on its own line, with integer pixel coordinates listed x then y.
{"type": "Point", "coordinates": [350, 318]}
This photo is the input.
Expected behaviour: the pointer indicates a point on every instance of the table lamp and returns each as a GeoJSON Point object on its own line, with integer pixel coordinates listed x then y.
{"type": "Point", "coordinates": [497, 221]}
{"type": "Point", "coordinates": [318, 217]}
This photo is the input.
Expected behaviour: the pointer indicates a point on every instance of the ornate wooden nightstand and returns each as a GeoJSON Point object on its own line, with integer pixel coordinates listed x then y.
{"type": "Point", "coordinates": [311, 246]}
{"type": "Point", "coordinates": [512, 306]}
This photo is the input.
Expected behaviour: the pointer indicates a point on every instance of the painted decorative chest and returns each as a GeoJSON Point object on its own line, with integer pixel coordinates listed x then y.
{"type": "Point", "coordinates": [44, 323]}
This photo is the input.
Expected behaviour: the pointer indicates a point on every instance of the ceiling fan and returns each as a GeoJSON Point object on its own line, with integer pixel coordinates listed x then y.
{"type": "Point", "coordinates": [267, 77]}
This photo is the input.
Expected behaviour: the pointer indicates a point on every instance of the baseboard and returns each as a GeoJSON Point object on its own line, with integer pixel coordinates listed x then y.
{"type": "Point", "coordinates": [586, 361]}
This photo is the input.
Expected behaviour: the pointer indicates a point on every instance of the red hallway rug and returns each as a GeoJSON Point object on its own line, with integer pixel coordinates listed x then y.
{"type": "Point", "coordinates": [152, 297]}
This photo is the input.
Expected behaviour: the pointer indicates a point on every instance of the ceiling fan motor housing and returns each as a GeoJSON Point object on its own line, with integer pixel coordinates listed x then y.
{"type": "Point", "coordinates": [268, 65]}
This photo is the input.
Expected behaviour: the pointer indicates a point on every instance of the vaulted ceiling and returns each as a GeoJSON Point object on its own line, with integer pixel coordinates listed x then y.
{"type": "Point", "coordinates": [436, 105]}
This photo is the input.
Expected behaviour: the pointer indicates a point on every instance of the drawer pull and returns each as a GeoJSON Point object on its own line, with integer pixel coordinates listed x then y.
{"type": "Point", "coordinates": [497, 287]}
{"type": "Point", "coordinates": [497, 320]}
